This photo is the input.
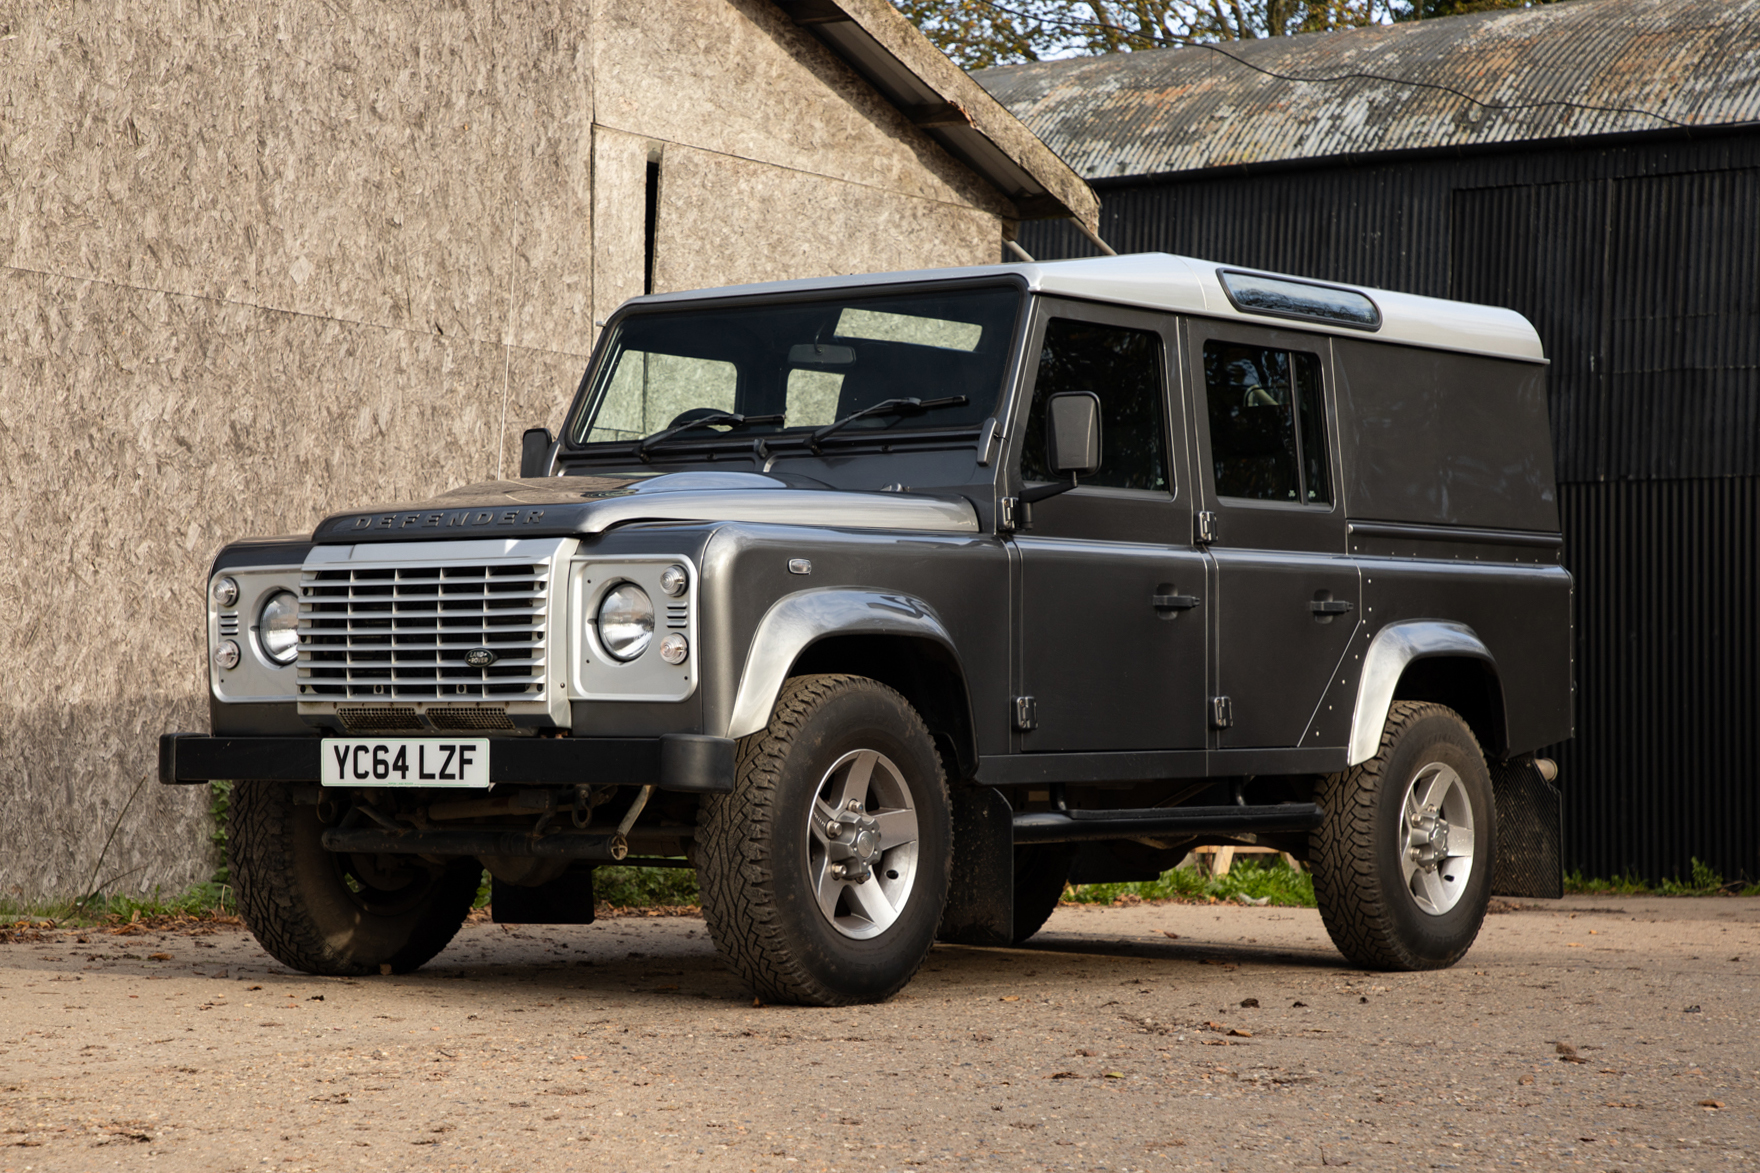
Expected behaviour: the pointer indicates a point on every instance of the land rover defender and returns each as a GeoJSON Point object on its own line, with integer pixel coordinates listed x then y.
{"type": "Point", "coordinates": [893, 603]}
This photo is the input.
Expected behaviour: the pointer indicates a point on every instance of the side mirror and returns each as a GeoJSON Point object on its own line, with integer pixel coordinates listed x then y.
{"type": "Point", "coordinates": [1072, 441]}
{"type": "Point", "coordinates": [1072, 432]}
{"type": "Point", "coordinates": [534, 452]}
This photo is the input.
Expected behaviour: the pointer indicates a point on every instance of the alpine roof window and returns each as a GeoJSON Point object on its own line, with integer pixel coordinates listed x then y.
{"type": "Point", "coordinates": [1281, 297]}
{"type": "Point", "coordinates": [1267, 423]}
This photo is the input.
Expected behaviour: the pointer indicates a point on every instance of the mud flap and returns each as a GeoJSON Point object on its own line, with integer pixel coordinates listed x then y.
{"type": "Point", "coordinates": [980, 899]}
{"type": "Point", "coordinates": [1530, 859]}
{"type": "Point", "coordinates": [566, 900]}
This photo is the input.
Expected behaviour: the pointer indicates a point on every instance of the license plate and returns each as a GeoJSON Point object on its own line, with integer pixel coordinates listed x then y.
{"type": "Point", "coordinates": [406, 761]}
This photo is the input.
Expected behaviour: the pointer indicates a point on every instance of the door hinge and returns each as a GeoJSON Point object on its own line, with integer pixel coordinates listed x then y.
{"type": "Point", "coordinates": [1025, 716]}
{"type": "Point", "coordinates": [1221, 712]}
{"type": "Point", "coordinates": [1205, 527]}
{"type": "Point", "coordinates": [1007, 512]}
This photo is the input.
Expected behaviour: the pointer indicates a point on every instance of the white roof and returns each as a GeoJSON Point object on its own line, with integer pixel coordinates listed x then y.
{"type": "Point", "coordinates": [1162, 281]}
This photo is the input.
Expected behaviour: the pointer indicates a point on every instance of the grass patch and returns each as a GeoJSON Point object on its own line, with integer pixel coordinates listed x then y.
{"type": "Point", "coordinates": [205, 901]}
{"type": "Point", "coordinates": [1701, 880]}
{"type": "Point", "coordinates": [1276, 883]}
{"type": "Point", "coordinates": [628, 887]}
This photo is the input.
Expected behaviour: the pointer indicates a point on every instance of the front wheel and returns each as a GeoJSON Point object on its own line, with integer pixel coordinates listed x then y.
{"type": "Point", "coordinates": [825, 872]}
{"type": "Point", "coordinates": [1402, 862]}
{"type": "Point", "coordinates": [344, 915]}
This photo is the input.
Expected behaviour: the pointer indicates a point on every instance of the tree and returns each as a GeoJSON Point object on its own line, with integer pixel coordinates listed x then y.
{"type": "Point", "coordinates": [978, 34]}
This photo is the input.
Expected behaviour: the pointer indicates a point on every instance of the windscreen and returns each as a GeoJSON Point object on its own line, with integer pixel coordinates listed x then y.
{"type": "Point", "coordinates": [810, 363]}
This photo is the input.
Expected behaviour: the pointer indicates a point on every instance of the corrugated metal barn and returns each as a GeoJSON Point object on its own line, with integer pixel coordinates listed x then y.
{"type": "Point", "coordinates": [1594, 165]}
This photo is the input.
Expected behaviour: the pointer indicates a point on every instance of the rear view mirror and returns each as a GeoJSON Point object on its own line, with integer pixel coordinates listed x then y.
{"type": "Point", "coordinates": [821, 354]}
{"type": "Point", "coordinates": [1072, 432]}
{"type": "Point", "coordinates": [534, 452]}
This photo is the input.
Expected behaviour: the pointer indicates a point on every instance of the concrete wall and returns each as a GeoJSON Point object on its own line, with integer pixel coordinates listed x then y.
{"type": "Point", "coordinates": [262, 261]}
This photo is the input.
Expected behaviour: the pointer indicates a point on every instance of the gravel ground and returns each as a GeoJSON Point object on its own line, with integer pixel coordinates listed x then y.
{"type": "Point", "coordinates": [1598, 1033]}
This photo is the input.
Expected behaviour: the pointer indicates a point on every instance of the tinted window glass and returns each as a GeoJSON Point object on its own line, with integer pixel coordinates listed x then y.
{"type": "Point", "coordinates": [1123, 367]}
{"type": "Point", "coordinates": [1267, 429]}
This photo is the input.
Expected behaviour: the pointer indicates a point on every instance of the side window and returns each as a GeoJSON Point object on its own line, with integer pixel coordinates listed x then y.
{"type": "Point", "coordinates": [1124, 368]}
{"type": "Point", "coordinates": [1267, 428]}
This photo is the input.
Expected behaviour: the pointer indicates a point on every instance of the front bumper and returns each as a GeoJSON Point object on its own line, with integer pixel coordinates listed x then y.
{"type": "Point", "coordinates": [685, 762]}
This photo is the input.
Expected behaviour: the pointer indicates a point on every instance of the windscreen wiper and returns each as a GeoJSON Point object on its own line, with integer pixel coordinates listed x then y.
{"type": "Point", "coordinates": [728, 419]}
{"type": "Point", "coordinates": [908, 406]}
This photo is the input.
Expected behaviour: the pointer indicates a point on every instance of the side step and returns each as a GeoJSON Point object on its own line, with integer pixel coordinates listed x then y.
{"type": "Point", "coordinates": [1164, 822]}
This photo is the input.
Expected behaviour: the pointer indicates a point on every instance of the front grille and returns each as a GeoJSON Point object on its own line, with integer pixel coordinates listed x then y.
{"type": "Point", "coordinates": [378, 718]}
{"type": "Point", "coordinates": [470, 719]}
{"type": "Point", "coordinates": [402, 633]}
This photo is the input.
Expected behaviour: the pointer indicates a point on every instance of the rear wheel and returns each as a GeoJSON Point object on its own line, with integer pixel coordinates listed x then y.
{"type": "Point", "coordinates": [1402, 862]}
{"type": "Point", "coordinates": [325, 913]}
{"type": "Point", "coordinates": [825, 872]}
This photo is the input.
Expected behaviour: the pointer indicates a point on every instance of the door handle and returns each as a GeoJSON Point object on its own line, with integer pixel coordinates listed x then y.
{"type": "Point", "coordinates": [1331, 606]}
{"type": "Point", "coordinates": [1175, 602]}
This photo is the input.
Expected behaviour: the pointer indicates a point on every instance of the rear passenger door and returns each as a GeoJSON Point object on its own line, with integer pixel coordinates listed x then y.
{"type": "Point", "coordinates": [1287, 600]}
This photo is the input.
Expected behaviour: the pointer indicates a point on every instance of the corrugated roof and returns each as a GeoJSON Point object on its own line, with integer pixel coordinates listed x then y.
{"type": "Point", "coordinates": [1694, 62]}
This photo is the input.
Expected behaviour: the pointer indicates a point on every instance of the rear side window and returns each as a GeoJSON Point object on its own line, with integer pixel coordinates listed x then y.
{"type": "Point", "coordinates": [1267, 428]}
{"type": "Point", "coordinates": [1124, 368]}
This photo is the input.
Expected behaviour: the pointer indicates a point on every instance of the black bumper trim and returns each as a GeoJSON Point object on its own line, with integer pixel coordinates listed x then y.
{"type": "Point", "coordinates": [685, 762]}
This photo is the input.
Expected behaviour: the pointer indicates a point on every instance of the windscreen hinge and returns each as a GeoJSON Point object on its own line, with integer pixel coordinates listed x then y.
{"type": "Point", "coordinates": [1008, 512]}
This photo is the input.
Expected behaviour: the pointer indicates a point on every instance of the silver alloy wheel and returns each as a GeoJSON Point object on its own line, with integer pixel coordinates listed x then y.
{"type": "Point", "coordinates": [1436, 838]}
{"type": "Point", "coordinates": [862, 844]}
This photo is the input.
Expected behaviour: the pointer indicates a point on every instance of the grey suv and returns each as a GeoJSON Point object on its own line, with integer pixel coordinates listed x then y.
{"type": "Point", "coordinates": [891, 604]}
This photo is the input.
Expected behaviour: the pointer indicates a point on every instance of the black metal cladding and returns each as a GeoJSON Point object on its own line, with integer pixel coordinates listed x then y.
{"type": "Point", "coordinates": [1664, 765]}
{"type": "Point", "coordinates": [1638, 260]}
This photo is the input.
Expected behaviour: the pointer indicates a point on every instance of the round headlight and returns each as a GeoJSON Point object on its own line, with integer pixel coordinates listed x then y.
{"type": "Point", "coordinates": [278, 627]}
{"type": "Point", "coordinates": [225, 591]}
{"type": "Point", "coordinates": [673, 580]}
{"type": "Point", "coordinates": [626, 621]}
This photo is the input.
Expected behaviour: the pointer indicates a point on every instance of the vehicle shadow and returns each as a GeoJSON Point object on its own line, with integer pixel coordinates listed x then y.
{"type": "Point", "coordinates": [1195, 953]}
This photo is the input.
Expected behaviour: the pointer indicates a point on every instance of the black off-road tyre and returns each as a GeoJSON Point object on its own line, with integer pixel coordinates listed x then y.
{"type": "Point", "coordinates": [759, 898]}
{"type": "Point", "coordinates": [1041, 871]}
{"type": "Point", "coordinates": [310, 909]}
{"type": "Point", "coordinates": [1355, 855]}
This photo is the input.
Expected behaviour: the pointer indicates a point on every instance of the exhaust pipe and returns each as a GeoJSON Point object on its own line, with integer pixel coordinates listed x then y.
{"type": "Point", "coordinates": [607, 848]}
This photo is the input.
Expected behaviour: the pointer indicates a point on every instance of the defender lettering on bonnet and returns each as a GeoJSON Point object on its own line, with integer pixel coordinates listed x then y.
{"type": "Point", "coordinates": [1276, 564]}
{"type": "Point", "coordinates": [444, 518]}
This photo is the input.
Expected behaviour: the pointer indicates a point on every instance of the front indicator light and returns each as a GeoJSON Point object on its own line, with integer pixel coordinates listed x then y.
{"type": "Point", "coordinates": [674, 648]}
{"type": "Point", "coordinates": [226, 655]}
{"type": "Point", "coordinates": [225, 591]}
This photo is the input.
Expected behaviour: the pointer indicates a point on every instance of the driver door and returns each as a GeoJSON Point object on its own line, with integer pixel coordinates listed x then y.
{"type": "Point", "coordinates": [1110, 630]}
